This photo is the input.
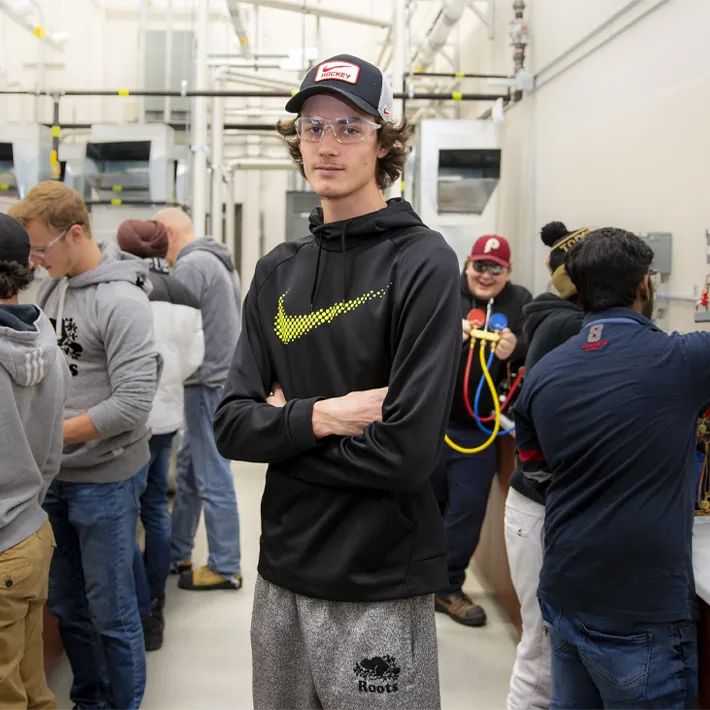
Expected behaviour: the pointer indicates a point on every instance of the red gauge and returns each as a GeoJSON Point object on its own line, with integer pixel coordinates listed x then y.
{"type": "Point", "coordinates": [476, 317]}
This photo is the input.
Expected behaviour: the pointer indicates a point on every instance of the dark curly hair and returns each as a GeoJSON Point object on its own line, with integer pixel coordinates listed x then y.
{"type": "Point", "coordinates": [393, 136]}
{"type": "Point", "coordinates": [14, 277]}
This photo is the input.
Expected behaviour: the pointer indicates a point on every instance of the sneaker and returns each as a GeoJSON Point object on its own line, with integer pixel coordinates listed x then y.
{"type": "Point", "coordinates": [180, 567]}
{"type": "Point", "coordinates": [205, 580]}
{"type": "Point", "coordinates": [152, 632]}
{"type": "Point", "coordinates": [158, 609]}
{"type": "Point", "coordinates": [461, 608]}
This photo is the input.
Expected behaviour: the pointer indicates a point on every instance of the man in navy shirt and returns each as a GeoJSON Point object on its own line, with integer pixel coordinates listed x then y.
{"type": "Point", "coordinates": [605, 427]}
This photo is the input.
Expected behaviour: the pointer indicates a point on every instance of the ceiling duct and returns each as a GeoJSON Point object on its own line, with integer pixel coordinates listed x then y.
{"type": "Point", "coordinates": [239, 28]}
{"type": "Point", "coordinates": [451, 12]}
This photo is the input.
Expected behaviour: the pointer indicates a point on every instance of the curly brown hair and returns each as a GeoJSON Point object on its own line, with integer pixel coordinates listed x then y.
{"type": "Point", "coordinates": [393, 136]}
{"type": "Point", "coordinates": [14, 277]}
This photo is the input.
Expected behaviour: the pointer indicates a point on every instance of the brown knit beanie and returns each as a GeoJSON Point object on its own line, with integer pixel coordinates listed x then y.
{"type": "Point", "coordinates": [143, 238]}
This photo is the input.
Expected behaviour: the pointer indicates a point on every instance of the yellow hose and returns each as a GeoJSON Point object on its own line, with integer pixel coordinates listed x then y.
{"type": "Point", "coordinates": [496, 405]}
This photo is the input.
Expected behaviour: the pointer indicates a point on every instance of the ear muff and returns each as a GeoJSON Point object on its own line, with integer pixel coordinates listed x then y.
{"type": "Point", "coordinates": [563, 283]}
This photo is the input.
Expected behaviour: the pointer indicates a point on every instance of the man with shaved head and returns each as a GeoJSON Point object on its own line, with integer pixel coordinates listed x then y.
{"type": "Point", "coordinates": [203, 476]}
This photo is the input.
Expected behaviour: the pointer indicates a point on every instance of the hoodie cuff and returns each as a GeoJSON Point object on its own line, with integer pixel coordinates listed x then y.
{"type": "Point", "coordinates": [300, 424]}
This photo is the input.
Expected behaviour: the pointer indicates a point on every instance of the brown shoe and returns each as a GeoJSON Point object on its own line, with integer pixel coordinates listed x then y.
{"type": "Point", "coordinates": [461, 608]}
{"type": "Point", "coordinates": [204, 579]}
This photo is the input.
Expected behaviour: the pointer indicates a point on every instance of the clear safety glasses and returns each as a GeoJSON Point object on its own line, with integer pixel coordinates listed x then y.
{"type": "Point", "coordinates": [41, 251]}
{"type": "Point", "coordinates": [345, 130]}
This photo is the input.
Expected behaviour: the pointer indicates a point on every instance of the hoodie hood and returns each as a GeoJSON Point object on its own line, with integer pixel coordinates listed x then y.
{"type": "Point", "coordinates": [115, 265]}
{"type": "Point", "coordinates": [27, 344]}
{"type": "Point", "coordinates": [350, 233]}
{"type": "Point", "coordinates": [545, 305]}
{"type": "Point", "coordinates": [398, 214]}
{"type": "Point", "coordinates": [213, 247]}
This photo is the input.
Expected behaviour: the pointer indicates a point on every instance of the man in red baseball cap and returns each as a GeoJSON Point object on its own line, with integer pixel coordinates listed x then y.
{"type": "Point", "coordinates": [462, 482]}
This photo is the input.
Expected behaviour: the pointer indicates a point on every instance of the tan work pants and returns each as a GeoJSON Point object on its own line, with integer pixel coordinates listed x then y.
{"type": "Point", "coordinates": [24, 581]}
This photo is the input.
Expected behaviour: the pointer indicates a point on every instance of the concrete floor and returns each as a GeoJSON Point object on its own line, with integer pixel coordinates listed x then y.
{"type": "Point", "coordinates": [206, 659]}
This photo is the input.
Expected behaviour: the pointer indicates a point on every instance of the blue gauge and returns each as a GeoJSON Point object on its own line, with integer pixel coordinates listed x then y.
{"type": "Point", "coordinates": [498, 321]}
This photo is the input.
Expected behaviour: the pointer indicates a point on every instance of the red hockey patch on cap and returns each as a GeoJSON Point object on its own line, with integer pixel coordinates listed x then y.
{"type": "Point", "coordinates": [338, 71]}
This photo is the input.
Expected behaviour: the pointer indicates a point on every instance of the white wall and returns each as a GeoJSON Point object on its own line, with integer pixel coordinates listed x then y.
{"type": "Point", "coordinates": [619, 138]}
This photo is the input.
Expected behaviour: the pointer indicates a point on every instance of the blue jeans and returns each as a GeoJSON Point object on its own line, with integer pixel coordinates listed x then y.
{"type": "Point", "coordinates": [461, 484]}
{"type": "Point", "coordinates": [204, 479]}
{"type": "Point", "coordinates": [151, 569]}
{"type": "Point", "coordinates": [92, 591]}
{"type": "Point", "coordinates": [598, 663]}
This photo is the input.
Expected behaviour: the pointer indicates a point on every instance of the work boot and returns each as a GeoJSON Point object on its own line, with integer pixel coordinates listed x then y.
{"type": "Point", "coordinates": [152, 632]}
{"type": "Point", "coordinates": [180, 567]}
{"type": "Point", "coordinates": [205, 580]}
{"type": "Point", "coordinates": [461, 608]}
{"type": "Point", "coordinates": [158, 609]}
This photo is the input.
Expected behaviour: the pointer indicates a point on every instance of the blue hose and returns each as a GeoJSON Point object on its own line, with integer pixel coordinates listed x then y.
{"type": "Point", "coordinates": [479, 390]}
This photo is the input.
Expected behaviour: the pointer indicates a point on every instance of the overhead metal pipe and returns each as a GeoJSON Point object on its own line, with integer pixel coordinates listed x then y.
{"type": "Point", "coordinates": [217, 160]}
{"type": "Point", "coordinates": [449, 15]}
{"type": "Point", "coordinates": [260, 164]}
{"type": "Point", "coordinates": [54, 166]}
{"type": "Point", "coordinates": [422, 96]}
{"type": "Point", "coordinates": [26, 23]}
{"type": "Point", "coordinates": [199, 128]}
{"type": "Point", "coordinates": [168, 58]}
{"type": "Point", "coordinates": [182, 125]}
{"type": "Point", "coordinates": [239, 63]}
{"type": "Point", "coordinates": [142, 53]}
{"type": "Point", "coordinates": [456, 75]}
{"type": "Point", "coordinates": [239, 28]}
{"type": "Point", "coordinates": [308, 8]}
{"type": "Point", "coordinates": [231, 76]}
{"type": "Point", "coordinates": [230, 217]}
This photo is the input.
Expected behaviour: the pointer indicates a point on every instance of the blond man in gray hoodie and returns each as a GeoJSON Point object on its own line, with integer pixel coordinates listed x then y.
{"type": "Point", "coordinates": [33, 379]}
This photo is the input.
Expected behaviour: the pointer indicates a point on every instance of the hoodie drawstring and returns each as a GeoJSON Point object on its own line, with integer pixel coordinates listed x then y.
{"type": "Point", "coordinates": [345, 265]}
{"type": "Point", "coordinates": [63, 286]}
{"type": "Point", "coordinates": [315, 278]}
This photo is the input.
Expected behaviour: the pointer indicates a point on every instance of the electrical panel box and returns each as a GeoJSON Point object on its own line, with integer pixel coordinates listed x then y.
{"type": "Point", "coordinates": [661, 243]}
{"type": "Point", "coordinates": [299, 205]}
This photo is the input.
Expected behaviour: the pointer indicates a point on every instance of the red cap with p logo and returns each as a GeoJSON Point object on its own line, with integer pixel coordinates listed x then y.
{"type": "Point", "coordinates": [491, 247]}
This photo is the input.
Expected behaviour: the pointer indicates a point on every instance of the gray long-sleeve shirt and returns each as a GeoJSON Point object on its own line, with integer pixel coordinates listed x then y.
{"type": "Point", "coordinates": [104, 325]}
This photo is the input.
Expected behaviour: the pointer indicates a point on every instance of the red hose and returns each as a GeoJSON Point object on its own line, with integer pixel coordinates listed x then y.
{"type": "Point", "coordinates": [467, 400]}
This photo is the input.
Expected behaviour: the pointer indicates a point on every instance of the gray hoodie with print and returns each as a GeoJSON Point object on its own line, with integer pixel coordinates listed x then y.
{"type": "Point", "coordinates": [206, 268]}
{"type": "Point", "coordinates": [104, 325]}
{"type": "Point", "coordinates": [33, 384]}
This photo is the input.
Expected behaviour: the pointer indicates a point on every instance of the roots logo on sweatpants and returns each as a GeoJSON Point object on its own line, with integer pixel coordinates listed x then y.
{"type": "Point", "coordinates": [379, 674]}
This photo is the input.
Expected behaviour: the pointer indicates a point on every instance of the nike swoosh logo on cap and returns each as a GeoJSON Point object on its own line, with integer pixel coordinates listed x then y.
{"type": "Point", "coordinates": [289, 327]}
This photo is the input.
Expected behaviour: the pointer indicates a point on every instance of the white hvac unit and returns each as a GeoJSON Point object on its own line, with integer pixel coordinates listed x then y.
{"type": "Point", "coordinates": [25, 152]}
{"type": "Point", "coordinates": [452, 178]}
{"type": "Point", "coordinates": [127, 171]}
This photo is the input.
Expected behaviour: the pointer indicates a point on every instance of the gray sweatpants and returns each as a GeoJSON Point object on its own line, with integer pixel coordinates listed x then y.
{"type": "Point", "coordinates": [310, 654]}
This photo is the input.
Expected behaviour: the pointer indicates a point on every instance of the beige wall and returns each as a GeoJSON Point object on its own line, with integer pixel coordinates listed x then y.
{"type": "Point", "coordinates": [618, 138]}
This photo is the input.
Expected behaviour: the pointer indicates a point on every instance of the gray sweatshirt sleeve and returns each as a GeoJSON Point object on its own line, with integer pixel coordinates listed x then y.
{"type": "Point", "coordinates": [191, 276]}
{"type": "Point", "coordinates": [54, 458]}
{"type": "Point", "coordinates": [126, 322]}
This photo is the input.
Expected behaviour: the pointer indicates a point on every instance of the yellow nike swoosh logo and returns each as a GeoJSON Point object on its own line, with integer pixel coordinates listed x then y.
{"type": "Point", "coordinates": [289, 328]}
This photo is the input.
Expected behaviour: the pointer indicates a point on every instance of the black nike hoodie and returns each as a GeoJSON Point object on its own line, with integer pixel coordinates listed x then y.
{"type": "Point", "coordinates": [359, 304]}
{"type": "Point", "coordinates": [549, 322]}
